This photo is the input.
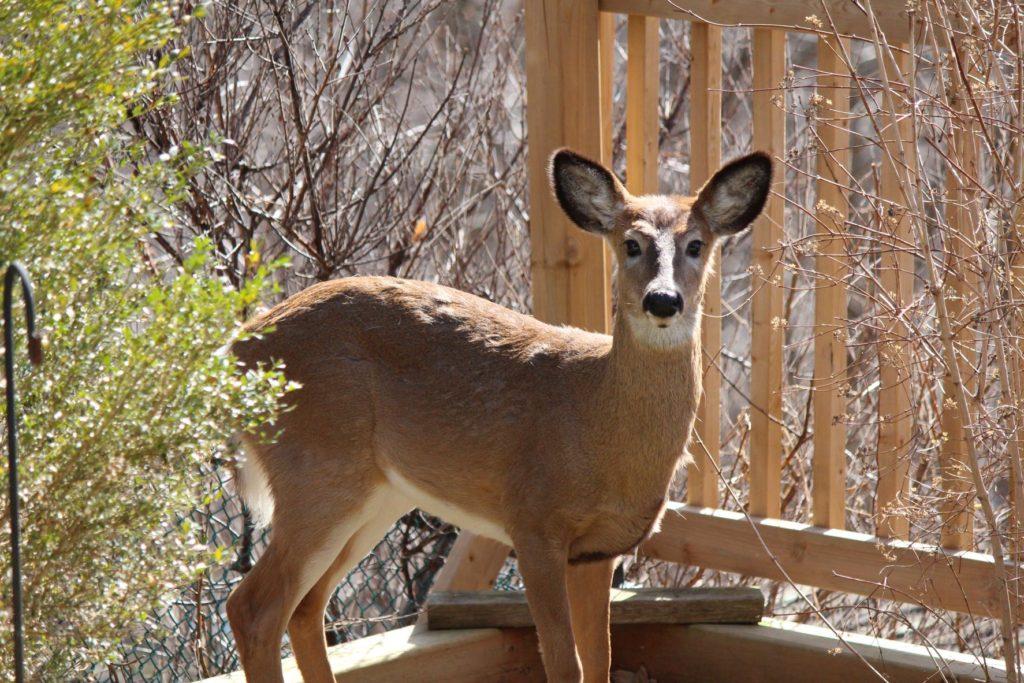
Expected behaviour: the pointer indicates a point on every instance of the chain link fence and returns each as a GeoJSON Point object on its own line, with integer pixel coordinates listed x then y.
{"type": "Point", "coordinates": [190, 638]}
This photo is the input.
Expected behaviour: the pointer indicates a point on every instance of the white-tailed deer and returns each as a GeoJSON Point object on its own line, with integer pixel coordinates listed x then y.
{"type": "Point", "coordinates": [559, 442]}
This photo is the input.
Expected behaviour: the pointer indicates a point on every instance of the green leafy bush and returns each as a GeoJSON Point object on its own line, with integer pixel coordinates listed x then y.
{"type": "Point", "coordinates": [132, 398]}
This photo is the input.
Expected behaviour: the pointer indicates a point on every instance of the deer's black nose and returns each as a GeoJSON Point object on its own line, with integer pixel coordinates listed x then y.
{"type": "Point", "coordinates": [663, 304]}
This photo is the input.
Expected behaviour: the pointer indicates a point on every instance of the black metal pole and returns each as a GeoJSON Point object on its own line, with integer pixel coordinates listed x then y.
{"type": "Point", "coordinates": [35, 351]}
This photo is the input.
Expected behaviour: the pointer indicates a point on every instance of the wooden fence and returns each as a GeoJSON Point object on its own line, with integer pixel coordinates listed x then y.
{"type": "Point", "coordinates": [569, 59]}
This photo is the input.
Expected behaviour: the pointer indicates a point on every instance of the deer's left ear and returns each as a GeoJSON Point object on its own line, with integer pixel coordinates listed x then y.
{"type": "Point", "coordinates": [736, 194]}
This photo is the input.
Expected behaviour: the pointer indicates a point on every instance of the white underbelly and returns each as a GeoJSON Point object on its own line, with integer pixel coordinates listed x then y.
{"type": "Point", "coordinates": [445, 510]}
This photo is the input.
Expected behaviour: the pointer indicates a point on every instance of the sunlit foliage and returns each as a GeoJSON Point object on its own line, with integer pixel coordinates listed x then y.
{"type": "Point", "coordinates": [133, 397]}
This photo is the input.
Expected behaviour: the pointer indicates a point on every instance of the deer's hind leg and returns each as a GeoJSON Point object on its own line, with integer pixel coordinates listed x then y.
{"type": "Point", "coordinates": [308, 533]}
{"type": "Point", "coordinates": [306, 627]}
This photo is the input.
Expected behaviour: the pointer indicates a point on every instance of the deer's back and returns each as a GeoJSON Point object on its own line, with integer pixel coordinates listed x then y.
{"type": "Point", "coordinates": [442, 383]}
{"type": "Point", "coordinates": [410, 326]}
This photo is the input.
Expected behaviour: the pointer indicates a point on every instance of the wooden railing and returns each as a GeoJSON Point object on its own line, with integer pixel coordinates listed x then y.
{"type": "Point", "coordinates": [569, 70]}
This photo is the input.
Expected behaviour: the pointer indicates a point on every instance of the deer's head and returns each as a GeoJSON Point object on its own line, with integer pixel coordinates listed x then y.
{"type": "Point", "coordinates": [663, 244]}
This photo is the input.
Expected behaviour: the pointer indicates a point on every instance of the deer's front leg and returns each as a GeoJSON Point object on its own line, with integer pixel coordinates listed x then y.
{"type": "Point", "coordinates": [543, 566]}
{"type": "Point", "coordinates": [589, 592]}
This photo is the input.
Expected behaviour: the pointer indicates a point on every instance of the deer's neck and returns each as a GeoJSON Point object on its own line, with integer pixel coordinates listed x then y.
{"type": "Point", "coordinates": [649, 396]}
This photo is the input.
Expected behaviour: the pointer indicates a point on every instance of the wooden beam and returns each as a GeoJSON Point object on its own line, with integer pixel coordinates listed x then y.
{"type": "Point", "coordinates": [767, 326]}
{"type": "Point", "coordinates": [848, 16]}
{"type": "Point", "coordinates": [833, 559]}
{"type": "Point", "coordinates": [472, 565]}
{"type": "Point", "coordinates": [829, 467]}
{"type": "Point", "coordinates": [705, 158]}
{"type": "Point", "coordinates": [508, 609]}
{"type": "Point", "coordinates": [785, 652]}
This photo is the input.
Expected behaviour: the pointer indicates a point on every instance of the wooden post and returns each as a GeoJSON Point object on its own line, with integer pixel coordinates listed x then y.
{"type": "Point", "coordinates": [570, 285]}
{"type": "Point", "coordinates": [957, 508]}
{"type": "Point", "coordinates": [705, 158]}
{"type": "Point", "coordinates": [896, 272]}
{"type": "Point", "coordinates": [767, 326]}
{"type": "Point", "coordinates": [563, 109]}
{"type": "Point", "coordinates": [829, 466]}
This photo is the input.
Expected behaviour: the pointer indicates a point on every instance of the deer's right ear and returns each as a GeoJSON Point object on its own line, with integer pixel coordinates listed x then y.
{"type": "Point", "coordinates": [589, 193]}
{"type": "Point", "coordinates": [736, 194]}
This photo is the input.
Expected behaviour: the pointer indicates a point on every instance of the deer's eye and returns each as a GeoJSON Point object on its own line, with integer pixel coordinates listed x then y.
{"type": "Point", "coordinates": [694, 248]}
{"type": "Point", "coordinates": [632, 248]}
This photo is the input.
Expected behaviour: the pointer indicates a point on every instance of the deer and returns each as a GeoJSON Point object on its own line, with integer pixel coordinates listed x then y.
{"type": "Point", "coordinates": [559, 442]}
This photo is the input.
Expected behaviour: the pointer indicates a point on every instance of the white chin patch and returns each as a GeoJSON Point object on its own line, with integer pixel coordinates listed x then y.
{"type": "Point", "coordinates": [659, 333]}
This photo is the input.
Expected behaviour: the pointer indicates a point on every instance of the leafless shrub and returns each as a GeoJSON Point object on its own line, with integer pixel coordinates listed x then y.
{"type": "Point", "coordinates": [355, 137]}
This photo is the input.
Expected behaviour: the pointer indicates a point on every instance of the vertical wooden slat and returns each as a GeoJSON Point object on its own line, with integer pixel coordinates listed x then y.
{"type": "Point", "coordinates": [606, 57]}
{"type": "Point", "coordinates": [1014, 384]}
{"type": "Point", "coordinates": [957, 508]}
{"type": "Point", "coordinates": [570, 285]}
{"type": "Point", "coordinates": [642, 105]}
{"type": "Point", "coordinates": [829, 467]}
{"type": "Point", "coordinates": [705, 158]}
{"type": "Point", "coordinates": [767, 326]}
{"type": "Point", "coordinates": [896, 272]}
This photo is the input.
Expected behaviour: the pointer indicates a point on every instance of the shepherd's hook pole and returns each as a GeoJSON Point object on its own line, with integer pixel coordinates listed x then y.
{"type": "Point", "coordinates": [35, 353]}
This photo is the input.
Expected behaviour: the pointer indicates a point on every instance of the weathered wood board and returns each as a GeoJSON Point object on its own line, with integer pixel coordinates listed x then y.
{"type": "Point", "coordinates": [508, 609]}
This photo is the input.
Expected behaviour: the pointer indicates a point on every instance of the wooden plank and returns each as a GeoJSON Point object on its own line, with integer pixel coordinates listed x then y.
{"type": "Point", "coordinates": [829, 466]}
{"type": "Point", "coordinates": [642, 105]}
{"type": "Point", "coordinates": [895, 273]}
{"type": "Point", "coordinates": [830, 558]}
{"type": "Point", "coordinates": [563, 109]}
{"type": "Point", "coordinates": [705, 158]}
{"type": "Point", "coordinates": [405, 654]}
{"type": "Point", "coordinates": [849, 18]}
{"type": "Point", "coordinates": [766, 280]}
{"type": "Point", "coordinates": [785, 652]}
{"type": "Point", "coordinates": [957, 486]}
{"type": "Point", "coordinates": [508, 609]}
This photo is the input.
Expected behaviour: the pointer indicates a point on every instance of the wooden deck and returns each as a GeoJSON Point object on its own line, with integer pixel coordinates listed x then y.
{"type": "Point", "coordinates": [769, 651]}
{"type": "Point", "coordinates": [672, 634]}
